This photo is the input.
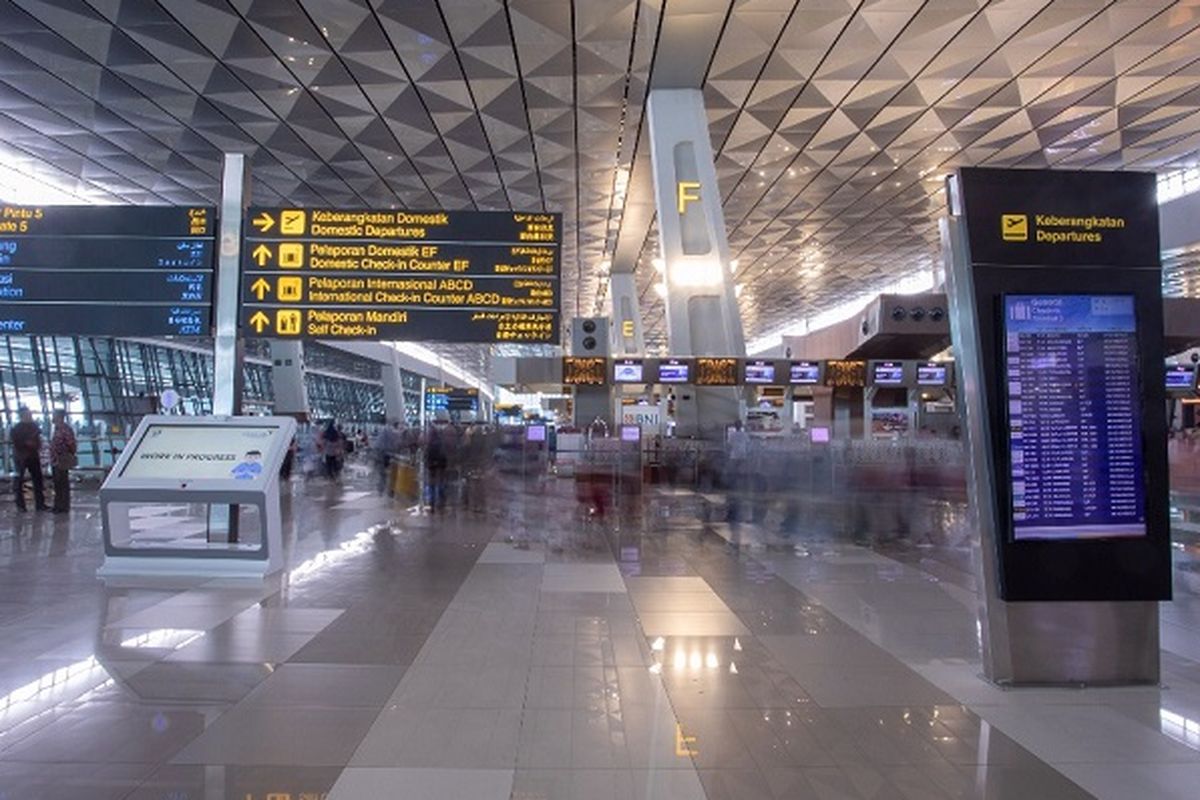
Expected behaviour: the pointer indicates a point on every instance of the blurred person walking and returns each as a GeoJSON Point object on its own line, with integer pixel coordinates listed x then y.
{"type": "Point", "coordinates": [64, 457]}
{"type": "Point", "coordinates": [332, 443]}
{"type": "Point", "coordinates": [26, 439]}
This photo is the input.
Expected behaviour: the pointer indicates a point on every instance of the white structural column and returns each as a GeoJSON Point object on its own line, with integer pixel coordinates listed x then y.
{"type": "Point", "coordinates": [701, 306]}
{"type": "Point", "coordinates": [287, 377]}
{"type": "Point", "coordinates": [627, 338]}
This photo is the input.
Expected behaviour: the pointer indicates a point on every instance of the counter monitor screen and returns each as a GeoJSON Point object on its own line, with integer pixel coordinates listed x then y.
{"type": "Point", "coordinates": [631, 433]}
{"type": "Point", "coordinates": [673, 370]}
{"type": "Point", "coordinates": [760, 372]}
{"type": "Point", "coordinates": [627, 370]}
{"type": "Point", "coordinates": [887, 373]}
{"type": "Point", "coordinates": [1074, 417]}
{"type": "Point", "coordinates": [1181, 377]}
{"type": "Point", "coordinates": [805, 372]}
{"type": "Point", "coordinates": [818, 435]}
{"type": "Point", "coordinates": [933, 373]}
{"type": "Point", "coordinates": [535, 433]}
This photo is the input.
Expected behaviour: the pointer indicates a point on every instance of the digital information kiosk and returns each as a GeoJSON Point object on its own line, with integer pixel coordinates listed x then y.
{"type": "Point", "coordinates": [1056, 317]}
{"type": "Point", "coordinates": [202, 461]}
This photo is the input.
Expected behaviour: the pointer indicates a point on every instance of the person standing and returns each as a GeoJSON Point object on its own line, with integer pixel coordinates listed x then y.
{"type": "Point", "coordinates": [63, 458]}
{"type": "Point", "coordinates": [27, 455]}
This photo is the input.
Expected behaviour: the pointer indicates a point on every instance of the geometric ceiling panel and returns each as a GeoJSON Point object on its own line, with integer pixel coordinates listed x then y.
{"type": "Point", "coordinates": [833, 123]}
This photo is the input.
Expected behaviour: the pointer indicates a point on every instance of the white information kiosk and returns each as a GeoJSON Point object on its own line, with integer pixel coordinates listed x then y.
{"type": "Point", "coordinates": [175, 464]}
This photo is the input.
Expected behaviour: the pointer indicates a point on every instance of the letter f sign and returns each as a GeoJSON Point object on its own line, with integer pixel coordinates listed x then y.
{"type": "Point", "coordinates": [687, 192]}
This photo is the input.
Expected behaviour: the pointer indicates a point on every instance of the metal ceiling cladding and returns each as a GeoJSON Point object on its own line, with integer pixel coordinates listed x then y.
{"type": "Point", "coordinates": [833, 125]}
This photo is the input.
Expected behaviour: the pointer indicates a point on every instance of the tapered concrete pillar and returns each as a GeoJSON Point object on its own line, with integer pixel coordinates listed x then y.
{"type": "Point", "coordinates": [393, 390]}
{"type": "Point", "coordinates": [702, 313]}
{"type": "Point", "coordinates": [627, 316]}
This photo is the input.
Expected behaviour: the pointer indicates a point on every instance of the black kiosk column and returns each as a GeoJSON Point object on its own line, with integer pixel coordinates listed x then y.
{"type": "Point", "coordinates": [1056, 316]}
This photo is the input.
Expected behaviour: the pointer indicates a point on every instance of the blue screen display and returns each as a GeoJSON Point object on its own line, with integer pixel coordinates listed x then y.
{"type": "Point", "coordinates": [1180, 377]}
{"type": "Point", "coordinates": [1074, 417]}
{"type": "Point", "coordinates": [888, 373]}
{"type": "Point", "coordinates": [673, 371]}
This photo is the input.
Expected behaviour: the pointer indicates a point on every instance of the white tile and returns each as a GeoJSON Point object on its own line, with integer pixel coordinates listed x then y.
{"type": "Point", "coordinates": [372, 783]}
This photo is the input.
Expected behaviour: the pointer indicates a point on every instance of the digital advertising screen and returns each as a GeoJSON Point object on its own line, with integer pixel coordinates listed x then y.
{"type": "Point", "coordinates": [716, 371]}
{"type": "Point", "coordinates": [933, 373]}
{"type": "Point", "coordinates": [1074, 417]}
{"type": "Point", "coordinates": [201, 452]}
{"type": "Point", "coordinates": [805, 373]}
{"type": "Point", "coordinates": [674, 370]}
{"type": "Point", "coordinates": [818, 435]}
{"type": "Point", "coordinates": [1181, 377]}
{"type": "Point", "coordinates": [535, 433]}
{"type": "Point", "coordinates": [760, 372]}
{"type": "Point", "coordinates": [631, 433]}
{"type": "Point", "coordinates": [887, 373]}
{"type": "Point", "coordinates": [628, 370]}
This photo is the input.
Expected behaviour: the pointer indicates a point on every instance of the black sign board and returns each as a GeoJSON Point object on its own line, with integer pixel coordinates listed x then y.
{"type": "Point", "coordinates": [106, 270]}
{"type": "Point", "coordinates": [1064, 291]}
{"type": "Point", "coordinates": [458, 276]}
{"type": "Point", "coordinates": [1053, 218]}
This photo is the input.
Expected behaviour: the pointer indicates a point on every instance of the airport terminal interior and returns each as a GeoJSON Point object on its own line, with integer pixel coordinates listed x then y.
{"type": "Point", "coordinates": [599, 399]}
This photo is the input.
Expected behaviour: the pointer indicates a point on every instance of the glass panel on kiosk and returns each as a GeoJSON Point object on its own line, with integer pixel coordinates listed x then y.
{"type": "Point", "coordinates": [674, 370]}
{"type": "Point", "coordinates": [1074, 438]}
{"type": "Point", "coordinates": [760, 372]}
{"type": "Point", "coordinates": [628, 370]}
{"type": "Point", "coordinates": [1181, 377]}
{"type": "Point", "coordinates": [933, 373]}
{"type": "Point", "coordinates": [807, 373]}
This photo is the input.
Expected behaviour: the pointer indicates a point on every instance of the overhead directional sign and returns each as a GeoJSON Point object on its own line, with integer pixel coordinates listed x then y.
{"type": "Point", "coordinates": [460, 276]}
{"type": "Point", "coordinates": [106, 270]}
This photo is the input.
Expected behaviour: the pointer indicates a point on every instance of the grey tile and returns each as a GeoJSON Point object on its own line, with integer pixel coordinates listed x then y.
{"type": "Point", "coordinates": [213, 683]}
{"type": "Point", "coordinates": [462, 685]}
{"type": "Point", "coordinates": [266, 735]}
{"type": "Point", "coordinates": [70, 781]}
{"type": "Point", "coordinates": [110, 733]}
{"type": "Point", "coordinates": [441, 738]}
{"type": "Point", "coordinates": [369, 783]}
{"type": "Point", "coordinates": [328, 685]}
{"type": "Point", "coordinates": [607, 784]}
{"type": "Point", "coordinates": [236, 782]}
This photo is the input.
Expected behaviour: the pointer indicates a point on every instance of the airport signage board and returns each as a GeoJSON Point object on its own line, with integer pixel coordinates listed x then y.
{"type": "Point", "coordinates": [1054, 218]}
{"type": "Point", "coordinates": [233, 452]}
{"type": "Point", "coordinates": [455, 276]}
{"type": "Point", "coordinates": [106, 270]}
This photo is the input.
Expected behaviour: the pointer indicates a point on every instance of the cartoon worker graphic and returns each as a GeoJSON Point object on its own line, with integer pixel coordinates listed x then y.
{"type": "Point", "coordinates": [250, 467]}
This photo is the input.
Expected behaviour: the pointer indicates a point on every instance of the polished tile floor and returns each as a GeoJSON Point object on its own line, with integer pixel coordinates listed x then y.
{"type": "Point", "coordinates": [528, 651]}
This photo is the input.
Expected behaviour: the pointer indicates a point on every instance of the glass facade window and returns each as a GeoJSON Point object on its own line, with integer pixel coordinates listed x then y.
{"type": "Point", "coordinates": [107, 385]}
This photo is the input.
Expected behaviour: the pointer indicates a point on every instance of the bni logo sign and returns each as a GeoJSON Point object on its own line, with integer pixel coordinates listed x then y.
{"type": "Point", "coordinates": [1014, 227]}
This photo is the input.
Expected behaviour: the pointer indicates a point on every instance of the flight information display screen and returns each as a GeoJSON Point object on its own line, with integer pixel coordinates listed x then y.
{"type": "Point", "coordinates": [804, 372]}
{"type": "Point", "coordinates": [932, 373]}
{"type": "Point", "coordinates": [1180, 377]}
{"type": "Point", "coordinates": [627, 371]}
{"type": "Point", "coordinates": [760, 372]}
{"type": "Point", "coordinates": [1074, 425]}
{"type": "Point", "coordinates": [887, 373]}
{"type": "Point", "coordinates": [673, 371]}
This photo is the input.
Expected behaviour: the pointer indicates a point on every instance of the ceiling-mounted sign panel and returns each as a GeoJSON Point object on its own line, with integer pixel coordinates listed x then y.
{"type": "Point", "coordinates": [455, 276]}
{"type": "Point", "coordinates": [106, 270]}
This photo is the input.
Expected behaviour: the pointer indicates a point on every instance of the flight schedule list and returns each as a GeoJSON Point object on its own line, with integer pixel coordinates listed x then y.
{"type": "Point", "coordinates": [1075, 442]}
